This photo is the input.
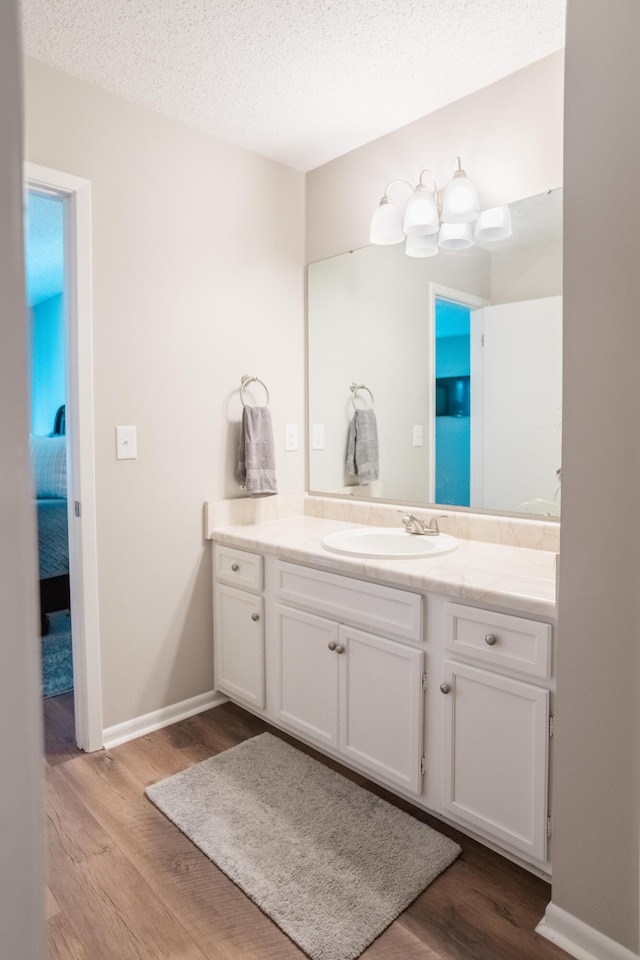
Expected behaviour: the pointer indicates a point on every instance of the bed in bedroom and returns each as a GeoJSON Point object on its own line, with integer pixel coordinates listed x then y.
{"type": "Point", "coordinates": [49, 467]}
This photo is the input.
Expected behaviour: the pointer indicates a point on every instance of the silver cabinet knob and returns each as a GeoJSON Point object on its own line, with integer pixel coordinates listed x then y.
{"type": "Point", "coordinates": [339, 648]}
{"type": "Point", "coordinates": [445, 687]}
{"type": "Point", "coordinates": [255, 616]}
{"type": "Point", "coordinates": [491, 639]}
{"type": "Point", "coordinates": [235, 567]}
{"type": "Point", "coordinates": [332, 645]}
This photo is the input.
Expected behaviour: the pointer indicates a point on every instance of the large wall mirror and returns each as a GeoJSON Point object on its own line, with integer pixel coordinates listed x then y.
{"type": "Point", "coordinates": [459, 356]}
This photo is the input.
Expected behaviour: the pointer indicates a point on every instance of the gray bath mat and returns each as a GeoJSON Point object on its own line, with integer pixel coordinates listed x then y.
{"type": "Point", "coordinates": [328, 861]}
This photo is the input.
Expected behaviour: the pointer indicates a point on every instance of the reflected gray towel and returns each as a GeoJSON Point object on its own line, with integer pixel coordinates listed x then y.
{"type": "Point", "coordinates": [362, 447]}
{"type": "Point", "coordinates": [256, 467]}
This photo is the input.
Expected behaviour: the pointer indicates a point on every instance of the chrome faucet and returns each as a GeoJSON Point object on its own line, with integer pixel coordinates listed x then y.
{"type": "Point", "coordinates": [420, 527]}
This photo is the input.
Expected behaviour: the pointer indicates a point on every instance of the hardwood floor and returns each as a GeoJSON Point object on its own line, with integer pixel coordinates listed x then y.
{"type": "Point", "coordinates": [124, 883]}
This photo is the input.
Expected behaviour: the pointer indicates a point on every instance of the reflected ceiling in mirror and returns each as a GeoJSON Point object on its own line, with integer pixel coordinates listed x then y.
{"type": "Point", "coordinates": [459, 358]}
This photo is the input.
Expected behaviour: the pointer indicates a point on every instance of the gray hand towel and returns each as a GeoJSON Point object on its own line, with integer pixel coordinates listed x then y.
{"type": "Point", "coordinates": [256, 466]}
{"type": "Point", "coordinates": [362, 447]}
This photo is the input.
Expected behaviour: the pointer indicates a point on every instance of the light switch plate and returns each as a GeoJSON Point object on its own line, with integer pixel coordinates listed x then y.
{"type": "Point", "coordinates": [291, 436]}
{"type": "Point", "coordinates": [126, 443]}
{"type": "Point", "coordinates": [417, 435]}
{"type": "Point", "coordinates": [317, 436]}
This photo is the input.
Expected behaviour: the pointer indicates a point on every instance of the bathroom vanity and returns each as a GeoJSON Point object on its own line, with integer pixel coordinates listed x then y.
{"type": "Point", "coordinates": [434, 677]}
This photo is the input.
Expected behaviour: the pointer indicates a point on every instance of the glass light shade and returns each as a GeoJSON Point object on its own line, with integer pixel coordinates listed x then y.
{"type": "Point", "coordinates": [421, 246]}
{"type": "Point", "coordinates": [421, 217]}
{"type": "Point", "coordinates": [460, 203]}
{"type": "Point", "coordinates": [455, 236]}
{"type": "Point", "coordinates": [494, 224]}
{"type": "Point", "coordinates": [386, 224]}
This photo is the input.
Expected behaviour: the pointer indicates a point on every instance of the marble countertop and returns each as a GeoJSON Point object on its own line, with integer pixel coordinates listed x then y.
{"type": "Point", "coordinates": [516, 578]}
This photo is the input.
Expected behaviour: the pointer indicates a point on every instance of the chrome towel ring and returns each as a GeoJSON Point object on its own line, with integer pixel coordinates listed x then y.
{"type": "Point", "coordinates": [355, 388]}
{"type": "Point", "coordinates": [246, 381]}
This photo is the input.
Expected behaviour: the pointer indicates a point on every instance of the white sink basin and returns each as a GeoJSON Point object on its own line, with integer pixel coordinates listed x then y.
{"type": "Point", "coordinates": [387, 543]}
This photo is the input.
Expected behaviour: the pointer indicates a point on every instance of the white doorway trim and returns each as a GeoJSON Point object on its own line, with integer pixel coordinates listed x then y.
{"type": "Point", "coordinates": [83, 563]}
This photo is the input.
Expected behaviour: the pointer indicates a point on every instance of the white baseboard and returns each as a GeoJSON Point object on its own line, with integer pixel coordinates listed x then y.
{"type": "Point", "coordinates": [578, 938]}
{"type": "Point", "coordinates": [139, 726]}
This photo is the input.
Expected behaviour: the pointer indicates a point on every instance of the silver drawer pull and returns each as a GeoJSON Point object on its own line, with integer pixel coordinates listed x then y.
{"type": "Point", "coordinates": [255, 616]}
{"type": "Point", "coordinates": [235, 567]}
{"type": "Point", "coordinates": [332, 645]}
{"type": "Point", "coordinates": [339, 648]}
{"type": "Point", "coordinates": [445, 687]}
{"type": "Point", "coordinates": [491, 639]}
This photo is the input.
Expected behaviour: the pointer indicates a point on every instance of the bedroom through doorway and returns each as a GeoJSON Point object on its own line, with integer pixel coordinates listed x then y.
{"type": "Point", "coordinates": [47, 312]}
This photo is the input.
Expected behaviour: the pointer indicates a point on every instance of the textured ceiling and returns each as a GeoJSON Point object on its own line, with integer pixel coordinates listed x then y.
{"type": "Point", "coordinates": [300, 81]}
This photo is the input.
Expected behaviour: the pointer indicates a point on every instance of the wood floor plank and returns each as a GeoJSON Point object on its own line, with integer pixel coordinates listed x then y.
{"type": "Point", "coordinates": [63, 942]}
{"type": "Point", "coordinates": [159, 755]}
{"type": "Point", "coordinates": [470, 912]}
{"type": "Point", "coordinates": [236, 721]}
{"type": "Point", "coordinates": [128, 885]}
{"type": "Point", "coordinates": [52, 906]}
{"type": "Point", "coordinates": [220, 918]}
{"type": "Point", "coordinates": [107, 903]}
{"type": "Point", "coordinates": [59, 729]}
{"type": "Point", "coordinates": [399, 943]}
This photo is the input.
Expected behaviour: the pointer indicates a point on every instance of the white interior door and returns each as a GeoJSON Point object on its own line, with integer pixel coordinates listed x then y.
{"type": "Point", "coordinates": [521, 405]}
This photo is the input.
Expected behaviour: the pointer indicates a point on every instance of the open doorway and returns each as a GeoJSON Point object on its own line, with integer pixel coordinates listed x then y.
{"type": "Point", "coordinates": [47, 309]}
{"type": "Point", "coordinates": [457, 376]}
{"type": "Point", "coordinates": [67, 359]}
{"type": "Point", "coordinates": [453, 402]}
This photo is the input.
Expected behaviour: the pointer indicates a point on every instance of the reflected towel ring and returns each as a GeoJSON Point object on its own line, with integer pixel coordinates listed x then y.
{"type": "Point", "coordinates": [355, 387]}
{"type": "Point", "coordinates": [246, 381]}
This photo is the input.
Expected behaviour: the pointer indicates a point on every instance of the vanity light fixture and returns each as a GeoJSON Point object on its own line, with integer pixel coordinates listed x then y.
{"type": "Point", "coordinates": [494, 224]}
{"type": "Point", "coordinates": [460, 203]}
{"type": "Point", "coordinates": [386, 223]}
{"type": "Point", "coordinates": [450, 220]}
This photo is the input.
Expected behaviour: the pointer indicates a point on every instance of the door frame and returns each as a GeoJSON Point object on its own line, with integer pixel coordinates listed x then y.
{"type": "Point", "coordinates": [83, 559]}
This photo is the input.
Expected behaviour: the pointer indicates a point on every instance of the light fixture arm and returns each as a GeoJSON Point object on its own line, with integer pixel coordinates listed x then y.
{"type": "Point", "coordinates": [458, 172]}
{"type": "Point", "coordinates": [433, 180]}
{"type": "Point", "coordinates": [436, 193]}
{"type": "Point", "coordinates": [386, 197]}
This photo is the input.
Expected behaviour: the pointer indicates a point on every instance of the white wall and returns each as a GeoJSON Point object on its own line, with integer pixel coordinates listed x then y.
{"type": "Point", "coordinates": [597, 791]}
{"type": "Point", "coordinates": [21, 827]}
{"type": "Point", "coordinates": [197, 280]}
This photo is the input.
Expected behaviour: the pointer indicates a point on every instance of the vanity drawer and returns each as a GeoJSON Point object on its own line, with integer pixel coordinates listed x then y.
{"type": "Point", "coordinates": [498, 640]}
{"type": "Point", "coordinates": [383, 610]}
{"type": "Point", "coordinates": [238, 568]}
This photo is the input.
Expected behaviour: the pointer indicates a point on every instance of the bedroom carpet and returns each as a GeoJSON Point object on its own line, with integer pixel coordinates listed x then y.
{"type": "Point", "coordinates": [57, 663]}
{"type": "Point", "coordinates": [329, 862]}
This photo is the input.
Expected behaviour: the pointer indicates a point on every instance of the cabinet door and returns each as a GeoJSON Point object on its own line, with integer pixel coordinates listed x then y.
{"type": "Point", "coordinates": [496, 750]}
{"type": "Point", "coordinates": [381, 706]}
{"type": "Point", "coordinates": [239, 645]}
{"type": "Point", "coordinates": [306, 687]}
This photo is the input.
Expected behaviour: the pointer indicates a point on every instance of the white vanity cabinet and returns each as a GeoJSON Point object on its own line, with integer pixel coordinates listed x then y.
{"type": "Point", "coordinates": [355, 691]}
{"type": "Point", "coordinates": [239, 650]}
{"type": "Point", "coordinates": [495, 695]}
{"type": "Point", "coordinates": [442, 701]}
